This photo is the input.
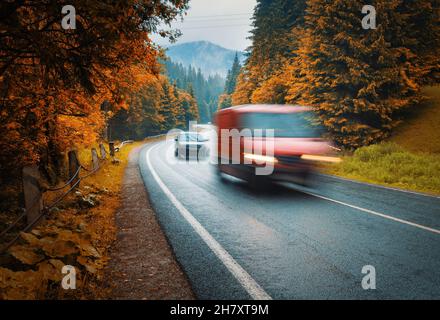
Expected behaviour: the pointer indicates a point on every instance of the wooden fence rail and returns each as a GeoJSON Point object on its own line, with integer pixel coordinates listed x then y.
{"type": "Point", "coordinates": [34, 191]}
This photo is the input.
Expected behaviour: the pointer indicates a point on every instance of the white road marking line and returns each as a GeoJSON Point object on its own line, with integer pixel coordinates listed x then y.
{"type": "Point", "coordinates": [374, 213]}
{"type": "Point", "coordinates": [380, 186]}
{"type": "Point", "coordinates": [244, 278]}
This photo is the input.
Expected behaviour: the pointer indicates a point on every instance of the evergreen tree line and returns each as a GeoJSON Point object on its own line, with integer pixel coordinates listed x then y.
{"type": "Point", "coordinates": [206, 90]}
{"type": "Point", "coordinates": [154, 109]}
{"type": "Point", "coordinates": [316, 52]}
{"type": "Point", "coordinates": [225, 100]}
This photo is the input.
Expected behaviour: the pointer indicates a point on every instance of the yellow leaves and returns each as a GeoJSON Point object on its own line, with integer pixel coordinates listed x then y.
{"type": "Point", "coordinates": [70, 237]}
{"type": "Point", "coordinates": [88, 264]}
{"type": "Point", "coordinates": [93, 265]}
{"type": "Point", "coordinates": [45, 250]}
{"type": "Point", "coordinates": [25, 254]}
{"type": "Point", "coordinates": [29, 284]}
{"type": "Point", "coordinates": [243, 90]}
{"type": "Point", "coordinates": [273, 90]}
{"type": "Point", "coordinates": [409, 82]}
{"type": "Point", "coordinates": [19, 285]}
{"type": "Point", "coordinates": [13, 126]}
{"type": "Point", "coordinates": [51, 269]}
{"type": "Point", "coordinates": [88, 250]}
{"type": "Point", "coordinates": [30, 238]}
{"type": "Point", "coordinates": [57, 248]}
{"type": "Point", "coordinates": [63, 244]}
{"type": "Point", "coordinates": [52, 247]}
{"type": "Point", "coordinates": [67, 235]}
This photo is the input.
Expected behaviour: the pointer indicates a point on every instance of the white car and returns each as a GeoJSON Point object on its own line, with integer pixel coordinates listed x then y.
{"type": "Point", "coordinates": [191, 145]}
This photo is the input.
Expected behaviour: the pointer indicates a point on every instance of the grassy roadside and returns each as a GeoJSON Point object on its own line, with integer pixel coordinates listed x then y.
{"type": "Point", "coordinates": [409, 160]}
{"type": "Point", "coordinates": [78, 232]}
{"type": "Point", "coordinates": [391, 165]}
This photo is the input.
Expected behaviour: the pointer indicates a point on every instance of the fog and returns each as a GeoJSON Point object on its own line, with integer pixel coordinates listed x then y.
{"type": "Point", "coordinates": [225, 22]}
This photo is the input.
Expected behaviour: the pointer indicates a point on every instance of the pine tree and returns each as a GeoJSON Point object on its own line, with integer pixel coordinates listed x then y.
{"type": "Point", "coordinates": [188, 109]}
{"type": "Point", "coordinates": [191, 90]}
{"type": "Point", "coordinates": [205, 114]}
{"type": "Point", "coordinates": [244, 88]}
{"type": "Point", "coordinates": [175, 90]}
{"type": "Point", "coordinates": [231, 79]}
{"type": "Point", "coordinates": [422, 37]}
{"type": "Point", "coordinates": [273, 45]}
{"type": "Point", "coordinates": [224, 101]}
{"type": "Point", "coordinates": [205, 90]}
{"type": "Point", "coordinates": [169, 106]}
{"type": "Point", "coordinates": [358, 79]}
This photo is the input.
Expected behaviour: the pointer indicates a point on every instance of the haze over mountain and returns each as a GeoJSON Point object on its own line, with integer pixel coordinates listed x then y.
{"type": "Point", "coordinates": [212, 59]}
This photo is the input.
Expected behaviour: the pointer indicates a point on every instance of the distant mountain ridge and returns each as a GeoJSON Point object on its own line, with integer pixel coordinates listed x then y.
{"type": "Point", "coordinates": [211, 58]}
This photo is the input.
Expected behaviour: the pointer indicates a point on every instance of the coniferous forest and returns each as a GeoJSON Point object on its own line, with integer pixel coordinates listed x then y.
{"type": "Point", "coordinates": [361, 82]}
{"type": "Point", "coordinates": [100, 199]}
{"type": "Point", "coordinates": [206, 89]}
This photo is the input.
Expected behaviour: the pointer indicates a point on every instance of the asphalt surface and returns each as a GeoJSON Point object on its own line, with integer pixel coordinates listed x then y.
{"type": "Point", "coordinates": [290, 242]}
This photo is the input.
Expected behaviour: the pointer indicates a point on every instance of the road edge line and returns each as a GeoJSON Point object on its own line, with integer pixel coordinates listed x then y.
{"type": "Point", "coordinates": [374, 213]}
{"type": "Point", "coordinates": [241, 275]}
{"type": "Point", "coordinates": [379, 186]}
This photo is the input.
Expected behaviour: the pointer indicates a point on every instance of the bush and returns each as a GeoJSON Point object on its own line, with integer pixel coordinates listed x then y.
{"type": "Point", "coordinates": [390, 164]}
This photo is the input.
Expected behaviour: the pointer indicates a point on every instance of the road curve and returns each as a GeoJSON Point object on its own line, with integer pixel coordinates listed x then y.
{"type": "Point", "coordinates": [290, 242]}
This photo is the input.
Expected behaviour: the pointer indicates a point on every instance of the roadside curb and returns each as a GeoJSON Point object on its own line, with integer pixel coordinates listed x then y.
{"type": "Point", "coordinates": [142, 265]}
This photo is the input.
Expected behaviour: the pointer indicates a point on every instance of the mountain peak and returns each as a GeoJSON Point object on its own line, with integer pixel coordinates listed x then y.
{"type": "Point", "coordinates": [200, 43]}
{"type": "Point", "coordinates": [211, 58]}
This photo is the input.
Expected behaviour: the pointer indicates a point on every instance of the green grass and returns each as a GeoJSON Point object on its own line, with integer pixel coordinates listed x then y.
{"type": "Point", "coordinates": [409, 160]}
{"type": "Point", "coordinates": [390, 164]}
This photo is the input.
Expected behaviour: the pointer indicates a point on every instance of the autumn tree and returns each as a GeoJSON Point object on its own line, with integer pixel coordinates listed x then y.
{"type": "Point", "coordinates": [142, 117]}
{"type": "Point", "coordinates": [169, 103]}
{"type": "Point", "coordinates": [205, 89]}
{"type": "Point", "coordinates": [422, 34]}
{"type": "Point", "coordinates": [224, 101]}
{"type": "Point", "coordinates": [246, 85]}
{"type": "Point", "coordinates": [189, 110]}
{"type": "Point", "coordinates": [273, 44]}
{"type": "Point", "coordinates": [273, 90]}
{"type": "Point", "coordinates": [54, 81]}
{"type": "Point", "coordinates": [358, 79]}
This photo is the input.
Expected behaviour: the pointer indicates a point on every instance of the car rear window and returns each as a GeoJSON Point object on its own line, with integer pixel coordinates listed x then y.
{"type": "Point", "coordinates": [191, 137]}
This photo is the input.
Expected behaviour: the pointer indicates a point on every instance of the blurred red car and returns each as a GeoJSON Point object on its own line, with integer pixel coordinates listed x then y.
{"type": "Point", "coordinates": [290, 151]}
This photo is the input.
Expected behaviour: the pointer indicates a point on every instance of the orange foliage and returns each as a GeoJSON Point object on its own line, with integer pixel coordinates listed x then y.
{"type": "Point", "coordinates": [243, 90]}
{"type": "Point", "coordinates": [359, 81]}
{"type": "Point", "coordinates": [54, 82]}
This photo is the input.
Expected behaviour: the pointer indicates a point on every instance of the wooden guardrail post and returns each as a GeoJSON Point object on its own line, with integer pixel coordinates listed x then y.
{"type": "Point", "coordinates": [33, 196]}
{"type": "Point", "coordinates": [73, 167]}
{"type": "Point", "coordinates": [95, 159]}
{"type": "Point", "coordinates": [103, 152]}
{"type": "Point", "coordinates": [111, 146]}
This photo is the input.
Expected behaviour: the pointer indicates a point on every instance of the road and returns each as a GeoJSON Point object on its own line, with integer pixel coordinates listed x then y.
{"type": "Point", "coordinates": [290, 242]}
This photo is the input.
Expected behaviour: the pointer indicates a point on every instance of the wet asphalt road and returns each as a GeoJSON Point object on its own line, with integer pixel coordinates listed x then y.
{"type": "Point", "coordinates": [292, 242]}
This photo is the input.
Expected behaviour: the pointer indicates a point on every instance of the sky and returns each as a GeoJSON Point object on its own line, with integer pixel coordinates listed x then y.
{"type": "Point", "coordinates": [223, 22]}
